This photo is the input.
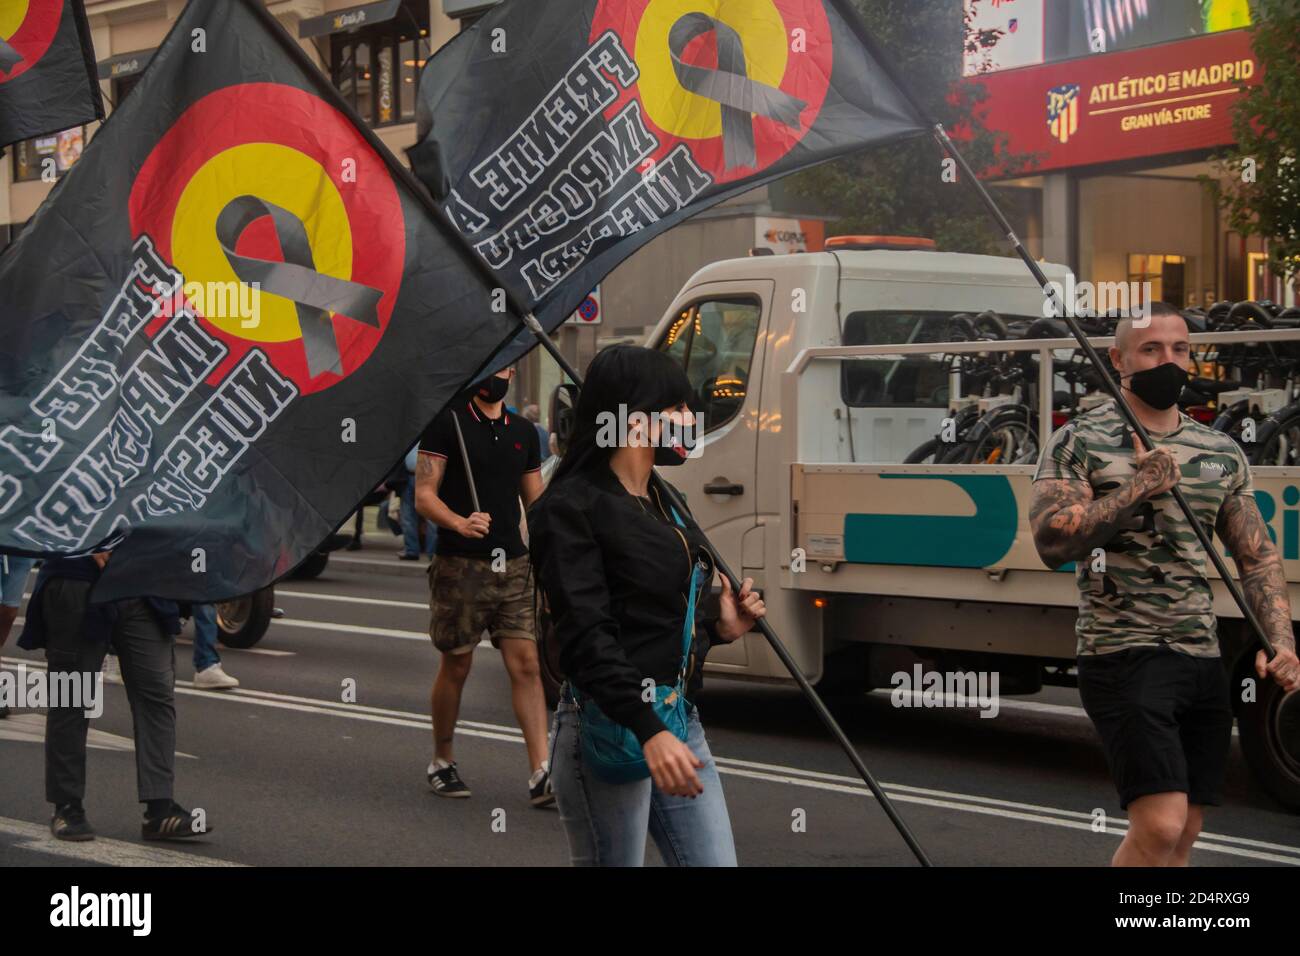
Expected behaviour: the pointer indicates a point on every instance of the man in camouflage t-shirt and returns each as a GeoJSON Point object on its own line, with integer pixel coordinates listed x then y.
{"type": "Point", "coordinates": [1150, 676]}
{"type": "Point", "coordinates": [1150, 585]}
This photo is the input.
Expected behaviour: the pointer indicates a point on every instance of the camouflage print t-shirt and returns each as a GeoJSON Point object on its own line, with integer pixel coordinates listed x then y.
{"type": "Point", "coordinates": [1155, 587]}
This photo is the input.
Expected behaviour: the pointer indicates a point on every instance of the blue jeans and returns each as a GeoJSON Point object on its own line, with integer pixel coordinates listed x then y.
{"type": "Point", "coordinates": [205, 637]}
{"type": "Point", "coordinates": [411, 524]}
{"type": "Point", "coordinates": [607, 823]}
{"type": "Point", "coordinates": [13, 577]}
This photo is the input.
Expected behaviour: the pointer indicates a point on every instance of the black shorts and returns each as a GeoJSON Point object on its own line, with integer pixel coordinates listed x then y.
{"type": "Point", "coordinates": [1164, 719]}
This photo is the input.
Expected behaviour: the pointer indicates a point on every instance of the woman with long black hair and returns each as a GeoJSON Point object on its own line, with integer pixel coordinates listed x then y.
{"type": "Point", "coordinates": [624, 579]}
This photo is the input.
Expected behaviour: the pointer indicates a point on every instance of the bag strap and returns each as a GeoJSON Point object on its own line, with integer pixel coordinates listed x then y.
{"type": "Point", "coordinates": [688, 626]}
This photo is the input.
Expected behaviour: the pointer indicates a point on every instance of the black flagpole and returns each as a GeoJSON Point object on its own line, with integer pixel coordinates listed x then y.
{"type": "Point", "coordinates": [1062, 311]}
{"type": "Point", "coordinates": [464, 457]}
{"type": "Point", "coordinates": [775, 642]}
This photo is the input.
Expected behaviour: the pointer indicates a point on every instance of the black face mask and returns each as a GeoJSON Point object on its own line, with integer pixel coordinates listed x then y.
{"type": "Point", "coordinates": [493, 389]}
{"type": "Point", "coordinates": [1159, 387]}
{"type": "Point", "coordinates": [674, 446]}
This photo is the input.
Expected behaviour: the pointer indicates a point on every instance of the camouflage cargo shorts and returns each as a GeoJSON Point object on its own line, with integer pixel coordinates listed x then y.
{"type": "Point", "coordinates": [466, 598]}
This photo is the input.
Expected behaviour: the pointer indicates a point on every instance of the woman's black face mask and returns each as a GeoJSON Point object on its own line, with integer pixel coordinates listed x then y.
{"type": "Point", "coordinates": [1159, 387]}
{"type": "Point", "coordinates": [676, 442]}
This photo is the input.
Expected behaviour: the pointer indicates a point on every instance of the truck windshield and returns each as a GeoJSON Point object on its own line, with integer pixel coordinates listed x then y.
{"type": "Point", "coordinates": [714, 340]}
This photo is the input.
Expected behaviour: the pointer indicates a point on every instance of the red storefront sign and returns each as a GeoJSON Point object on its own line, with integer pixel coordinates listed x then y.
{"type": "Point", "coordinates": [1156, 100]}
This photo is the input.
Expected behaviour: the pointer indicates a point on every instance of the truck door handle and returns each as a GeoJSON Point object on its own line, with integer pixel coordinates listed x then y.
{"type": "Point", "coordinates": [721, 486]}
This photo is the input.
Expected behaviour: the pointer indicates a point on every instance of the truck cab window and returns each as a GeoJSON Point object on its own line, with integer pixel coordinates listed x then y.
{"type": "Point", "coordinates": [915, 381]}
{"type": "Point", "coordinates": [714, 340]}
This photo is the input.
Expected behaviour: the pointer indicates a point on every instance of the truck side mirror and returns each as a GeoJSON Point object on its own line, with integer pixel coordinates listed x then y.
{"type": "Point", "coordinates": [563, 401]}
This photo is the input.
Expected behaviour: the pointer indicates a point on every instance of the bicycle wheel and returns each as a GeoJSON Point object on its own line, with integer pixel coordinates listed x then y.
{"type": "Point", "coordinates": [1005, 436]}
{"type": "Point", "coordinates": [1278, 441]}
{"type": "Point", "coordinates": [1229, 420]}
{"type": "Point", "coordinates": [925, 454]}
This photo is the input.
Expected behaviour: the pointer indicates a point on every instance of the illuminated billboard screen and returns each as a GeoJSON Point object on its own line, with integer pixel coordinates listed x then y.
{"type": "Point", "coordinates": [1006, 34]}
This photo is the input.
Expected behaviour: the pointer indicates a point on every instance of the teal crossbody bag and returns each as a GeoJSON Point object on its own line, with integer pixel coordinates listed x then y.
{"type": "Point", "coordinates": [609, 749]}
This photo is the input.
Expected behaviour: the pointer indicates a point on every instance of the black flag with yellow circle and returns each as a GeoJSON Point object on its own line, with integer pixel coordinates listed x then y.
{"type": "Point", "coordinates": [48, 81]}
{"type": "Point", "coordinates": [562, 136]}
{"type": "Point", "coordinates": [226, 324]}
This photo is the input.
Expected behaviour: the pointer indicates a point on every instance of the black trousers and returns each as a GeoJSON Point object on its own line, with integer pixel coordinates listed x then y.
{"type": "Point", "coordinates": [148, 662]}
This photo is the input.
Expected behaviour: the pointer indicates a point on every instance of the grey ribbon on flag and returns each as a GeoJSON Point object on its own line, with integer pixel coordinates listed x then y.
{"type": "Point", "coordinates": [9, 57]}
{"type": "Point", "coordinates": [730, 85]}
{"type": "Point", "coordinates": [314, 295]}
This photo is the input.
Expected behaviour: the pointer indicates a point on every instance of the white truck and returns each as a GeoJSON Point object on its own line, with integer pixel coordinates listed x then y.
{"type": "Point", "coordinates": [869, 566]}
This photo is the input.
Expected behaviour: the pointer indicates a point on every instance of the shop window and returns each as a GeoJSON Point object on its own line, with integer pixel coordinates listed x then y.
{"type": "Point", "coordinates": [123, 86]}
{"type": "Point", "coordinates": [1259, 281]}
{"type": "Point", "coordinates": [377, 68]}
{"type": "Point", "coordinates": [55, 153]}
{"type": "Point", "coordinates": [1166, 274]}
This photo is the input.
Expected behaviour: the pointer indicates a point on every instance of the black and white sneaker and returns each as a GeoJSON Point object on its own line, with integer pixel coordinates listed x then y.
{"type": "Point", "coordinates": [175, 824]}
{"type": "Point", "coordinates": [540, 793]}
{"type": "Point", "coordinates": [69, 823]}
{"type": "Point", "coordinates": [445, 781]}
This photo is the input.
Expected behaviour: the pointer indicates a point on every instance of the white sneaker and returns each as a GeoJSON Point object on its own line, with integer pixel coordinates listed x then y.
{"type": "Point", "coordinates": [112, 669]}
{"type": "Point", "coordinates": [214, 678]}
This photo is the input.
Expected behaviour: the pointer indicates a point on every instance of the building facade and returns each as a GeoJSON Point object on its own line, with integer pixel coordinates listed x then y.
{"type": "Point", "coordinates": [1119, 109]}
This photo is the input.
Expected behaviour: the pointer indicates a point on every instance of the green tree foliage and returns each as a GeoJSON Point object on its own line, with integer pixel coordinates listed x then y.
{"type": "Point", "coordinates": [1259, 187]}
{"type": "Point", "coordinates": [901, 189]}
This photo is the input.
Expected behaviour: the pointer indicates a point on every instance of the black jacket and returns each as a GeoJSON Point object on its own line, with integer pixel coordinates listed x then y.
{"type": "Point", "coordinates": [616, 572]}
{"type": "Point", "coordinates": [97, 626]}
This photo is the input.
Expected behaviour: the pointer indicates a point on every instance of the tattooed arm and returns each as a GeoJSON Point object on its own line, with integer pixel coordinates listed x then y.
{"type": "Point", "coordinates": [1262, 581]}
{"type": "Point", "coordinates": [1068, 522]}
{"type": "Point", "coordinates": [429, 470]}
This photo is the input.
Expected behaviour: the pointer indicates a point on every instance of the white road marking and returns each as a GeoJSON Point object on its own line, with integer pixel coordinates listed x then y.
{"type": "Point", "coordinates": [375, 562]}
{"type": "Point", "coordinates": [348, 599]}
{"type": "Point", "coordinates": [35, 837]}
{"type": "Point", "coordinates": [263, 651]}
{"type": "Point", "coordinates": [30, 728]}
{"type": "Point", "coordinates": [359, 629]}
{"type": "Point", "coordinates": [775, 773]}
{"type": "Point", "coordinates": [960, 702]}
{"type": "Point", "coordinates": [353, 629]}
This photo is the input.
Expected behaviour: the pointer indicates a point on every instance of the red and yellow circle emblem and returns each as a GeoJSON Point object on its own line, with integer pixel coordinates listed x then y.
{"type": "Point", "coordinates": [268, 183]}
{"type": "Point", "coordinates": [27, 28]}
{"type": "Point", "coordinates": [741, 81]}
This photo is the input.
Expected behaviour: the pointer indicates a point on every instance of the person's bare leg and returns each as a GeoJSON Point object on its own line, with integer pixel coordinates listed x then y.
{"type": "Point", "coordinates": [1155, 825]}
{"type": "Point", "coordinates": [444, 703]}
{"type": "Point", "coordinates": [520, 656]}
{"type": "Point", "coordinates": [1191, 830]}
{"type": "Point", "coordinates": [7, 617]}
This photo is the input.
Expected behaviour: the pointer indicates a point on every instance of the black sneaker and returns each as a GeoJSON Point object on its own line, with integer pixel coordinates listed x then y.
{"type": "Point", "coordinates": [540, 793]}
{"type": "Point", "coordinates": [176, 823]}
{"type": "Point", "coordinates": [446, 782]}
{"type": "Point", "coordinates": [4, 711]}
{"type": "Point", "coordinates": [69, 823]}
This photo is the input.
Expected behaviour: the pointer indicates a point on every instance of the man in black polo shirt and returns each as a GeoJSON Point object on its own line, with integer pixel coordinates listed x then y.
{"type": "Point", "coordinates": [481, 579]}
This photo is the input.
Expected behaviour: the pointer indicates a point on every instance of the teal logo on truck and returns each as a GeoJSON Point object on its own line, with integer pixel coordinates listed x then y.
{"type": "Point", "coordinates": [951, 541]}
{"type": "Point", "coordinates": [1289, 544]}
